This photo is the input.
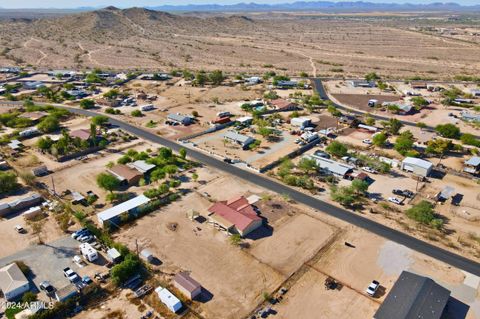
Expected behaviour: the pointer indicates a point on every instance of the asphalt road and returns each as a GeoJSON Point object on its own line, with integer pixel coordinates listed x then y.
{"type": "Point", "coordinates": [323, 207]}
{"type": "Point", "coordinates": [320, 89]}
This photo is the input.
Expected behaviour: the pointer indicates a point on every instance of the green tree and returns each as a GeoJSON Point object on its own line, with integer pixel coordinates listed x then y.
{"type": "Point", "coordinates": [470, 139]}
{"type": "Point", "coordinates": [448, 130]}
{"type": "Point", "coordinates": [100, 120]}
{"type": "Point", "coordinates": [307, 165]}
{"type": "Point", "coordinates": [379, 139]}
{"type": "Point", "coordinates": [216, 77]}
{"type": "Point", "coordinates": [44, 143]}
{"type": "Point", "coordinates": [137, 113]}
{"type": "Point", "coordinates": [87, 104]}
{"type": "Point", "coordinates": [49, 124]}
{"type": "Point", "coordinates": [404, 142]}
{"type": "Point", "coordinates": [201, 78]}
{"type": "Point", "coordinates": [372, 76]}
{"type": "Point", "coordinates": [345, 195]}
{"type": "Point", "coordinates": [334, 111]}
{"type": "Point", "coordinates": [108, 182]}
{"type": "Point", "coordinates": [439, 147]}
{"type": "Point", "coordinates": [8, 182]}
{"type": "Point", "coordinates": [392, 126]}
{"type": "Point", "coordinates": [421, 125]}
{"type": "Point", "coordinates": [423, 213]}
{"type": "Point", "coordinates": [183, 153]}
{"type": "Point", "coordinates": [337, 149]}
{"type": "Point", "coordinates": [359, 186]}
{"type": "Point", "coordinates": [235, 239]}
{"type": "Point", "coordinates": [419, 102]}
{"type": "Point", "coordinates": [126, 269]}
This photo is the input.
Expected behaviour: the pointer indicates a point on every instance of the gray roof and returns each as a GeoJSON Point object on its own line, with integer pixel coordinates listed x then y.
{"type": "Point", "coordinates": [243, 139]}
{"type": "Point", "coordinates": [122, 208]}
{"type": "Point", "coordinates": [332, 166]}
{"type": "Point", "coordinates": [178, 117]}
{"type": "Point", "coordinates": [447, 192]}
{"type": "Point", "coordinates": [417, 162]}
{"type": "Point", "coordinates": [11, 278]}
{"type": "Point", "coordinates": [414, 296]}
{"type": "Point", "coordinates": [474, 161]}
{"type": "Point", "coordinates": [141, 166]}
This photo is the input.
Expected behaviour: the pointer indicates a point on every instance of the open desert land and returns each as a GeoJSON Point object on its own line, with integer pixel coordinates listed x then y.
{"type": "Point", "coordinates": [319, 45]}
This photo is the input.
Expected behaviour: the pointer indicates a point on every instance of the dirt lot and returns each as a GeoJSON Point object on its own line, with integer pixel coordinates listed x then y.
{"type": "Point", "coordinates": [116, 307]}
{"type": "Point", "coordinates": [360, 101]}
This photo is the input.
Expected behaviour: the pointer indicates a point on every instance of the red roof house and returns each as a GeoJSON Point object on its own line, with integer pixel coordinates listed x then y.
{"type": "Point", "coordinates": [283, 105]}
{"type": "Point", "coordinates": [82, 134]}
{"type": "Point", "coordinates": [235, 215]}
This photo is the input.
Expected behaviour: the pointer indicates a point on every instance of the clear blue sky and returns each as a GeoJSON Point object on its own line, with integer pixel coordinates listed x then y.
{"type": "Point", "coordinates": [138, 3]}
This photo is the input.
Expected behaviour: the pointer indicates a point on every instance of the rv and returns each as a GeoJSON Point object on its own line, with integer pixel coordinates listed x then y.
{"type": "Point", "coordinates": [89, 252]}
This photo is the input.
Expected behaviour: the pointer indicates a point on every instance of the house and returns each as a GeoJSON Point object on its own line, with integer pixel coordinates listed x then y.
{"type": "Point", "coordinates": [33, 116]}
{"type": "Point", "coordinates": [32, 213]}
{"type": "Point", "coordinates": [472, 166]}
{"type": "Point", "coordinates": [77, 94]}
{"type": "Point", "coordinates": [286, 84]}
{"type": "Point", "coordinates": [179, 118]}
{"type": "Point", "coordinates": [239, 139]}
{"type": "Point", "coordinates": [13, 282]}
{"type": "Point", "coordinates": [29, 132]}
{"type": "Point", "coordinates": [142, 166]}
{"type": "Point", "coordinates": [361, 83]}
{"type": "Point", "coordinates": [414, 296]}
{"type": "Point", "coordinates": [168, 299]}
{"type": "Point", "coordinates": [19, 204]}
{"type": "Point", "coordinates": [40, 171]}
{"type": "Point", "coordinates": [470, 117]}
{"type": "Point", "coordinates": [235, 215]}
{"type": "Point", "coordinates": [131, 207]}
{"type": "Point", "coordinates": [33, 85]}
{"type": "Point", "coordinates": [109, 102]}
{"type": "Point", "coordinates": [405, 108]}
{"type": "Point", "coordinates": [187, 285]}
{"type": "Point", "coordinates": [417, 166]}
{"type": "Point", "coordinates": [66, 292]}
{"type": "Point", "coordinates": [62, 73]}
{"type": "Point", "coordinates": [338, 169]}
{"type": "Point", "coordinates": [253, 80]}
{"type": "Point", "coordinates": [283, 105]}
{"type": "Point", "coordinates": [300, 122]}
{"type": "Point", "coordinates": [125, 174]}
{"type": "Point", "coordinates": [475, 93]}
{"type": "Point", "coordinates": [82, 134]}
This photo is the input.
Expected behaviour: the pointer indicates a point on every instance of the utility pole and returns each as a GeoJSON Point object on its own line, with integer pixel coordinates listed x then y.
{"type": "Point", "coordinates": [53, 187]}
{"type": "Point", "coordinates": [136, 246]}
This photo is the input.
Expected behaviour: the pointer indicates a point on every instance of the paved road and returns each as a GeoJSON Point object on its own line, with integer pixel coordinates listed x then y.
{"type": "Point", "coordinates": [347, 216]}
{"type": "Point", "coordinates": [340, 213]}
{"type": "Point", "coordinates": [320, 89]}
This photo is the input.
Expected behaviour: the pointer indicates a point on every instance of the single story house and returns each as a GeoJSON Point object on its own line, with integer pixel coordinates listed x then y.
{"type": "Point", "coordinates": [239, 139]}
{"type": "Point", "coordinates": [82, 134]}
{"type": "Point", "coordinates": [77, 94]}
{"type": "Point", "coordinates": [283, 105]}
{"type": "Point", "coordinates": [125, 174]}
{"type": "Point", "coordinates": [187, 285]}
{"type": "Point", "coordinates": [168, 299]}
{"type": "Point", "coordinates": [13, 282]}
{"type": "Point", "coordinates": [287, 84]}
{"type": "Point", "coordinates": [414, 296]}
{"type": "Point", "coordinates": [62, 73]}
{"type": "Point", "coordinates": [472, 166]}
{"type": "Point", "coordinates": [361, 83]}
{"type": "Point", "coordinates": [235, 215]}
{"type": "Point", "coordinates": [34, 116]}
{"type": "Point", "coordinates": [417, 166]}
{"type": "Point", "coordinates": [131, 207]}
{"type": "Point", "coordinates": [301, 122]}
{"type": "Point", "coordinates": [20, 204]}
{"type": "Point", "coordinates": [245, 120]}
{"type": "Point", "coordinates": [141, 166]}
{"type": "Point", "coordinates": [33, 85]}
{"type": "Point", "coordinates": [338, 169]}
{"type": "Point", "coordinates": [66, 292]}
{"type": "Point", "coordinates": [179, 118]}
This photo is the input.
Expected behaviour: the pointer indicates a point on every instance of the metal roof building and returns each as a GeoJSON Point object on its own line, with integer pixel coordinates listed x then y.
{"type": "Point", "coordinates": [414, 296]}
{"type": "Point", "coordinates": [13, 282]}
{"type": "Point", "coordinates": [417, 166]}
{"type": "Point", "coordinates": [129, 206]}
{"type": "Point", "coordinates": [168, 299]}
{"type": "Point", "coordinates": [333, 167]}
{"type": "Point", "coordinates": [243, 140]}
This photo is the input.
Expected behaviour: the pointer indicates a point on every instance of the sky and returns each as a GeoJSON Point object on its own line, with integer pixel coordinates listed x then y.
{"type": "Point", "coordinates": [14, 4]}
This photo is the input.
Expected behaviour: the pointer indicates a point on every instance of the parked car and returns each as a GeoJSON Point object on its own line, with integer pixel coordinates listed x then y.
{"type": "Point", "coordinates": [47, 287]}
{"type": "Point", "coordinates": [70, 274]}
{"type": "Point", "coordinates": [395, 200]}
{"type": "Point", "coordinates": [87, 280]}
{"type": "Point", "coordinates": [405, 193]}
{"type": "Point", "coordinates": [19, 229]}
{"type": "Point", "coordinates": [372, 289]}
{"type": "Point", "coordinates": [369, 170]}
{"type": "Point", "coordinates": [367, 141]}
{"type": "Point", "coordinates": [79, 232]}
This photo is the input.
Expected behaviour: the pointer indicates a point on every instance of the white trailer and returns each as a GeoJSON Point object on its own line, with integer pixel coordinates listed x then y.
{"type": "Point", "coordinates": [88, 252]}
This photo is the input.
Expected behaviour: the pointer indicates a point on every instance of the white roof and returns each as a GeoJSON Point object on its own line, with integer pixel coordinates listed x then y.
{"type": "Point", "coordinates": [123, 207]}
{"type": "Point", "coordinates": [11, 278]}
{"type": "Point", "coordinates": [113, 253]}
{"type": "Point", "coordinates": [244, 119]}
{"type": "Point", "coordinates": [141, 166]}
{"type": "Point", "coordinates": [417, 162]}
{"type": "Point", "coordinates": [232, 135]}
{"type": "Point", "coordinates": [474, 161]}
{"type": "Point", "coordinates": [168, 298]}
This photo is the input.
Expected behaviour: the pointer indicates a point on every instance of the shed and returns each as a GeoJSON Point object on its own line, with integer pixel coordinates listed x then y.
{"type": "Point", "coordinates": [147, 255]}
{"type": "Point", "coordinates": [66, 292]}
{"type": "Point", "coordinates": [77, 198]}
{"type": "Point", "coordinates": [472, 166]}
{"type": "Point", "coordinates": [32, 212]}
{"type": "Point", "coordinates": [13, 282]}
{"type": "Point", "coordinates": [187, 285]}
{"type": "Point", "coordinates": [300, 121]}
{"type": "Point", "coordinates": [446, 193]}
{"type": "Point", "coordinates": [40, 171]}
{"type": "Point", "coordinates": [168, 299]}
{"type": "Point", "coordinates": [113, 255]}
{"type": "Point", "coordinates": [417, 166]}
{"type": "Point", "coordinates": [414, 296]}
{"type": "Point", "coordinates": [141, 166]}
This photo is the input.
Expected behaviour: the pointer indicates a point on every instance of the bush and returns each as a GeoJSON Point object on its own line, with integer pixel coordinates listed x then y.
{"type": "Point", "coordinates": [8, 182]}
{"type": "Point", "coordinates": [337, 149]}
{"type": "Point", "coordinates": [137, 113]}
{"type": "Point", "coordinates": [49, 124]}
{"type": "Point", "coordinates": [424, 214]}
{"type": "Point", "coordinates": [126, 269]}
{"type": "Point", "coordinates": [448, 130]}
{"type": "Point", "coordinates": [87, 104]}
